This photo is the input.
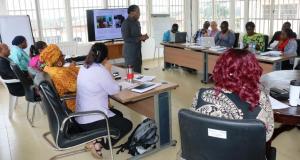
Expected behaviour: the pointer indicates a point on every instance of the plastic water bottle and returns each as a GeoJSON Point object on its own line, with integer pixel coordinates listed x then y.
{"type": "Point", "coordinates": [199, 40]}
{"type": "Point", "coordinates": [130, 74]}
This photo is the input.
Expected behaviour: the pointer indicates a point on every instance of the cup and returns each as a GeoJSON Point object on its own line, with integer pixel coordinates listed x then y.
{"type": "Point", "coordinates": [294, 93]}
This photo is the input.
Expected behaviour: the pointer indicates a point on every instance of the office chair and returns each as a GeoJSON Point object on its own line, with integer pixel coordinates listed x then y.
{"type": "Point", "coordinates": [297, 59]}
{"type": "Point", "coordinates": [210, 138]}
{"type": "Point", "coordinates": [266, 38]}
{"type": "Point", "coordinates": [30, 93]}
{"type": "Point", "coordinates": [236, 42]}
{"type": "Point", "coordinates": [63, 128]}
{"type": "Point", "coordinates": [10, 84]}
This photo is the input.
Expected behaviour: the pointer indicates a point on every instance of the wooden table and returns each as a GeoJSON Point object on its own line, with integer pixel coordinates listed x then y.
{"type": "Point", "coordinates": [154, 104]}
{"type": "Point", "coordinates": [289, 117]}
{"type": "Point", "coordinates": [115, 50]}
{"type": "Point", "coordinates": [204, 60]}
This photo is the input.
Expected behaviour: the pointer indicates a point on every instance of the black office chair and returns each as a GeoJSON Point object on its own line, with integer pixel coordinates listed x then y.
{"type": "Point", "coordinates": [236, 42]}
{"type": "Point", "coordinates": [31, 95]}
{"type": "Point", "coordinates": [15, 90]}
{"type": "Point", "coordinates": [266, 38]}
{"type": "Point", "coordinates": [210, 138]}
{"type": "Point", "coordinates": [297, 59]}
{"type": "Point", "coordinates": [63, 128]}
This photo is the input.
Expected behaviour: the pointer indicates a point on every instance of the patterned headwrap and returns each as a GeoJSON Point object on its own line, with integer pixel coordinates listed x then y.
{"type": "Point", "coordinates": [50, 55]}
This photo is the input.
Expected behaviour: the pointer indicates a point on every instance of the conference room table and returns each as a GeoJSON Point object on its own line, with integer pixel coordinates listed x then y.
{"type": "Point", "coordinates": [154, 104]}
{"type": "Point", "coordinates": [204, 59]}
{"type": "Point", "coordinates": [288, 118]}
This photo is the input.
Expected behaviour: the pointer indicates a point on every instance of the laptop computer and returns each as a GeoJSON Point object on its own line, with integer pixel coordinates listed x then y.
{"type": "Point", "coordinates": [207, 42]}
{"type": "Point", "coordinates": [180, 37]}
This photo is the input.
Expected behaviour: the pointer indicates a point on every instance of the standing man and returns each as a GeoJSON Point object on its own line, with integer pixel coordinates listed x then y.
{"type": "Point", "coordinates": [131, 33]}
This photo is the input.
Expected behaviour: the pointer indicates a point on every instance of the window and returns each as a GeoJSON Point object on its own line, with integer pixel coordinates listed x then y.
{"type": "Point", "coordinates": [117, 3]}
{"type": "Point", "coordinates": [78, 12]}
{"type": "Point", "coordinates": [177, 12]}
{"type": "Point", "coordinates": [205, 11]}
{"type": "Point", "coordinates": [160, 7]}
{"type": "Point", "coordinates": [287, 10]}
{"type": "Point", "coordinates": [239, 16]}
{"type": "Point", "coordinates": [256, 12]}
{"type": "Point", "coordinates": [21, 7]}
{"type": "Point", "coordinates": [53, 20]}
{"type": "Point", "coordinates": [175, 8]}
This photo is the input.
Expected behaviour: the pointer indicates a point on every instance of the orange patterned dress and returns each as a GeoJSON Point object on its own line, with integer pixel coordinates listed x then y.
{"type": "Point", "coordinates": [65, 81]}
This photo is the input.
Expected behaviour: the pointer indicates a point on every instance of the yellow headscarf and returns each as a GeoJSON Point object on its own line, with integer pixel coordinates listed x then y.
{"type": "Point", "coordinates": [50, 55]}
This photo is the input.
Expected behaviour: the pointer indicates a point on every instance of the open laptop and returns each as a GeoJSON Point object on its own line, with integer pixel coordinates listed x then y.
{"type": "Point", "coordinates": [180, 37]}
{"type": "Point", "coordinates": [207, 42]}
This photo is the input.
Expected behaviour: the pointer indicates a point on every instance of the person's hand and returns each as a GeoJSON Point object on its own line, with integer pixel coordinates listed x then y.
{"type": "Point", "coordinates": [107, 65]}
{"type": "Point", "coordinates": [73, 64]}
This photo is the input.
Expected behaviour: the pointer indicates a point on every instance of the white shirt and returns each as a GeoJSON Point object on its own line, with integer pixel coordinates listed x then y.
{"type": "Point", "coordinates": [94, 85]}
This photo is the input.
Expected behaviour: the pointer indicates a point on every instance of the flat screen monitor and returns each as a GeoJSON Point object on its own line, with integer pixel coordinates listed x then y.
{"type": "Point", "coordinates": [105, 24]}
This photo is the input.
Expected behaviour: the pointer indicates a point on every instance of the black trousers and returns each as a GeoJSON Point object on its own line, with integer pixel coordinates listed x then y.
{"type": "Point", "coordinates": [286, 65]}
{"type": "Point", "coordinates": [117, 122]}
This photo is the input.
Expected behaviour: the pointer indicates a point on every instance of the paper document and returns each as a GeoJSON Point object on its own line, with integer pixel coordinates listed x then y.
{"type": "Point", "coordinates": [145, 87]}
{"type": "Point", "coordinates": [142, 78]}
{"type": "Point", "coordinates": [271, 53]}
{"type": "Point", "coordinates": [126, 85]}
{"type": "Point", "coordinates": [277, 104]}
{"type": "Point", "coordinates": [217, 48]}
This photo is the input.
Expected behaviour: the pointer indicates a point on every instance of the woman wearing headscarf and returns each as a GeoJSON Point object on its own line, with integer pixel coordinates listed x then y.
{"type": "Point", "coordinates": [64, 78]}
{"type": "Point", "coordinates": [18, 55]}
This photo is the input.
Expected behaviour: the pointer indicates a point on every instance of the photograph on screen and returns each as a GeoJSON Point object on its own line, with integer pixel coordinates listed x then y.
{"type": "Point", "coordinates": [104, 21]}
{"type": "Point", "coordinates": [119, 19]}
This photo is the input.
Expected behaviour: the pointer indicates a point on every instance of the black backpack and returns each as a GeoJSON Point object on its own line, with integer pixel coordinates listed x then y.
{"type": "Point", "coordinates": [143, 138]}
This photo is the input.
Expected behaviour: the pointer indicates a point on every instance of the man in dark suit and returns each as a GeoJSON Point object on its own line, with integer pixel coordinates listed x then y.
{"type": "Point", "coordinates": [6, 73]}
{"type": "Point", "coordinates": [286, 25]}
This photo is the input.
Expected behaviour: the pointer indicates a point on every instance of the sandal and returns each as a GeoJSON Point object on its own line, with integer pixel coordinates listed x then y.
{"type": "Point", "coordinates": [96, 153]}
{"type": "Point", "coordinates": [89, 146]}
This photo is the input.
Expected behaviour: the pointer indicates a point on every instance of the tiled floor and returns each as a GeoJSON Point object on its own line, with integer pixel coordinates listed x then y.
{"type": "Point", "coordinates": [19, 141]}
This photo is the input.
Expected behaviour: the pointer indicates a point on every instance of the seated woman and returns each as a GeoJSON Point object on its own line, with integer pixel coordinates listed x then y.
{"type": "Point", "coordinates": [253, 38]}
{"type": "Point", "coordinates": [237, 93]}
{"type": "Point", "coordinates": [35, 51]}
{"type": "Point", "coordinates": [94, 84]}
{"type": "Point", "coordinates": [214, 29]}
{"type": "Point", "coordinates": [288, 46]}
{"type": "Point", "coordinates": [64, 78]}
{"type": "Point", "coordinates": [18, 55]}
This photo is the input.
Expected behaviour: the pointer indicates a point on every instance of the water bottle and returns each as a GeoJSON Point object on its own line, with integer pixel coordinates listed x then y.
{"type": "Point", "coordinates": [130, 74]}
{"type": "Point", "coordinates": [199, 42]}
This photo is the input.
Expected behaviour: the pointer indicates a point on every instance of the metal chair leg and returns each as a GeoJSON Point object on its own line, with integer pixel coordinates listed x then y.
{"type": "Point", "coordinates": [68, 154]}
{"type": "Point", "coordinates": [11, 106]}
{"type": "Point", "coordinates": [33, 115]}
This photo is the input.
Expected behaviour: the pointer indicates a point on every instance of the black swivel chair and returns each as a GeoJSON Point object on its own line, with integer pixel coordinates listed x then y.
{"type": "Point", "coordinates": [297, 59]}
{"type": "Point", "coordinates": [63, 128]}
{"type": "Point", "coordinates": [210, 138]}
{"type": "Point", "coordinates": [266, 39]}
{"type": "Point", "coordinates": [236, 42]}
{"type": "Point", "coordinates": [31, 95]}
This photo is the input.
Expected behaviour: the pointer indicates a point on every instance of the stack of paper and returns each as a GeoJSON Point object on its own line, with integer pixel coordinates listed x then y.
{"type": "Point", "coordinates": [142, 78]}
{"type": "Point", "coordinates": [145, 87]}
{"type": "Point", "coordinates": [277, 104]}
{"type": "Point", "coordinates": [126, 85]}
{"type": "Point", "coordinates": [217, 48]}
{"type": "Point", "coordinates": [271, 53]}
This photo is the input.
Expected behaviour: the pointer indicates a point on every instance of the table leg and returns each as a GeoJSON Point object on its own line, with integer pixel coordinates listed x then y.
{"type": "Point", "coordinates": [163, 115]}
{"type": "Point", "coordinates": [205, 69]}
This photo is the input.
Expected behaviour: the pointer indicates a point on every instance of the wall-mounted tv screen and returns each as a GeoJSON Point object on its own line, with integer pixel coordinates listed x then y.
{"type": "Point", "coordinates": [105, 24]}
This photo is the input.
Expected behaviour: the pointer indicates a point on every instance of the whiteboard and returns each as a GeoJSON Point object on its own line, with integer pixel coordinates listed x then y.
{"type": "Point", "coordinates": [159, 25]}
{"type": "Point", "coordinates": [12, 26]}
